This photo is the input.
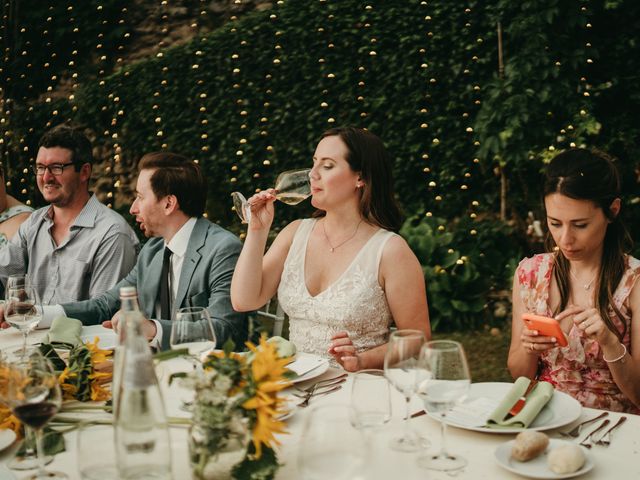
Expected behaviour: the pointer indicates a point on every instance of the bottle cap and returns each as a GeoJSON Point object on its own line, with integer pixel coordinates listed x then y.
{"type": "Point", "coordinates": [128, 292]}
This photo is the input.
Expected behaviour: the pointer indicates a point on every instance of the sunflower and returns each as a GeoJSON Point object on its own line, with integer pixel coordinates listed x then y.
{"type": "Point", "coordinates": [89, 369]}
{"type": "Point", "coordinates": [267, 379]}
{"type": "Point", "coordinates": [9, 421]}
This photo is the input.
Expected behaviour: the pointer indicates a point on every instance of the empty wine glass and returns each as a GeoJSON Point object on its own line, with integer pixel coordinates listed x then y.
{"type": "Point", "coordinates": [192, 329]}
{"type": "Point", "coordinates": [34, 396]}
{"type": "Point", "coordinates": [22, 311]}
{"type": "Point", "coordinates": [330, 447]}
{"type": "Point", "coordinates": [446, 383]}
{"type": "Point", "coordinates": [401, 369]}
{"type": "Point", "coordinates": [291, 187]}
{"type": "Point", "coordinates": [370, 400]}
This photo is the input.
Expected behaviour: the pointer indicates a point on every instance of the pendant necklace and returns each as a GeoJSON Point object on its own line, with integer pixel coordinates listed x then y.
{"type": "Point", "coordinates": [331, 247]}
{"type": "Point", "coordinates": [586, 286]}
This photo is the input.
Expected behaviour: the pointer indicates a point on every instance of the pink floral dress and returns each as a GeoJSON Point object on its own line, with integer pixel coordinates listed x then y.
{"type": "Point", "coordinates": [578, 369]}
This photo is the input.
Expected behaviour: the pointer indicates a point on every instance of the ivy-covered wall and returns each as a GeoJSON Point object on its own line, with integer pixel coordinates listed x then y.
{"type": "Point", "coordinates": [468, 137]}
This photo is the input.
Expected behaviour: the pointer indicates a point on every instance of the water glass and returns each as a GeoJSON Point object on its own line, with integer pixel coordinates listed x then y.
{"type": "Point", "coordinates": [93, 465]}
{"type": "Point", "coordinates": [330, 446]}
{"type": "Point", "coordinates": [446, 382]}
{"type": "Point", "coordinates": [370, 400]}
{"type": "Point", "coordinates": [401, 369]}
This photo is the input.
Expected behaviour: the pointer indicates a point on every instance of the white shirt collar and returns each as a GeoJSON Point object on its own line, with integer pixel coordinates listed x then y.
{"type": "Point", "coordinates": [178, 244]}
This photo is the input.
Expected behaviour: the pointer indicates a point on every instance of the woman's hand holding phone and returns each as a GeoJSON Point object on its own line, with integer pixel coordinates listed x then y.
{"type": "Point", "coordinates": [541, 333]}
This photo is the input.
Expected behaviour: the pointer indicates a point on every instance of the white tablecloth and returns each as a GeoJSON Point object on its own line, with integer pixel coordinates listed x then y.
{"type": "Point", "coordinates": [620, 461]}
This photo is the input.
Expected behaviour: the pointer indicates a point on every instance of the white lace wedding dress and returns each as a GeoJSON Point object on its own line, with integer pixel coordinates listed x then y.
{"type": "Point", "coordinates": [355, 302]}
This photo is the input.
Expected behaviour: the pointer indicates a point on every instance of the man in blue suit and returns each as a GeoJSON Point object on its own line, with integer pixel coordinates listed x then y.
{"type": "Point", "coordinates": [188, 262]}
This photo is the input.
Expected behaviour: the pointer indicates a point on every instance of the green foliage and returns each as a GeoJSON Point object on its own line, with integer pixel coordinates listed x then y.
{"type": "Point", "coordinates": [251, 468]}
{"type": "Point", "coordinates": [250, 99]}
{"type": "Point", "coordinates": [462, 269]}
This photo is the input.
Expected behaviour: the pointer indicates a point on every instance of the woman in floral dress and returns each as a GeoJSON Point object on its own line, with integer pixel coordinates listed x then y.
{"type": "Point", "coordinates": [588, 283]}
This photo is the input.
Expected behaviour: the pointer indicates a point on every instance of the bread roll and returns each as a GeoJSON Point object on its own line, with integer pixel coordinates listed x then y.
{"type": "Point", "coordinates": [528, 445]}
{"type": "Point", "coordinates": [566, 459]}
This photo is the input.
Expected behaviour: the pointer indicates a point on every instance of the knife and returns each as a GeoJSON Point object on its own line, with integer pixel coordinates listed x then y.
{"type": "Point", "coordinates": [519, 405]}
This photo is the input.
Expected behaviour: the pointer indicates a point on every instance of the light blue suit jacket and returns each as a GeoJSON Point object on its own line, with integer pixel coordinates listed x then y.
{"type": "Point", "coordinates": [205, 281]}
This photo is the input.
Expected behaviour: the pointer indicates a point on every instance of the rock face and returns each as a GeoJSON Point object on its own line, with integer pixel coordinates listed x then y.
{"type": "Point", "coordinates": [161, 26]}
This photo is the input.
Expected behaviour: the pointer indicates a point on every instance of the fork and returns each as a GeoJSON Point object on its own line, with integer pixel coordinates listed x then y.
{"type": "Point", "coordinates": [324, 383]}
{"type": "Point", "coordinates": [305, 402]}
{"type": "Point", "coordinates": [588, 442]}
{"type": "Point", "coordinates": [575, 432]}
{"type": "Point", "coordinates": [606, 438]}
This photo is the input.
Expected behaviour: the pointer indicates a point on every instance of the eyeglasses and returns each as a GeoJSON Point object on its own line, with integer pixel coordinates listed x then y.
{"type": "Point", "coordinates": [55, 169]}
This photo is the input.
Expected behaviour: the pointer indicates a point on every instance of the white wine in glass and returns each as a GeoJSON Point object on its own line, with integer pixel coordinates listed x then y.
{"type": "Point", "coordinates": [22, 311]}
{"type": "Point", "coordinates": [192, 329]}
{"type": "Point", "coordinates": [292, 187]}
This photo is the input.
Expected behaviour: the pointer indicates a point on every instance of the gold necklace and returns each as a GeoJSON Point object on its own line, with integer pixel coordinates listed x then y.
{"type": "Point", "coordinates": [586, 286]}
{"type": "Point", "coordinates": [331, 247]}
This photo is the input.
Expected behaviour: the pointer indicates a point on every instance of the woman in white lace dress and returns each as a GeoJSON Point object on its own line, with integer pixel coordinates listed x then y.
{"type": "Point", "coordinates": [343, 277]}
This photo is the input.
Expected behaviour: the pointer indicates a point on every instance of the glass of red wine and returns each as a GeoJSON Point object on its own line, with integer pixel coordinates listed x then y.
{"type": "Point", "coordinates": [34, 396]}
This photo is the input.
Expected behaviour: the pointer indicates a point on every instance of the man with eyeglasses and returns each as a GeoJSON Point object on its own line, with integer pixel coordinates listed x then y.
{"type": "Point", "coordinates": [75, 248]}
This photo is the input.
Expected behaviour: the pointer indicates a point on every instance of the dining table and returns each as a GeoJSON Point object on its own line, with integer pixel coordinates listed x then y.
{"type": "Point", "coordinates": [620, 460]}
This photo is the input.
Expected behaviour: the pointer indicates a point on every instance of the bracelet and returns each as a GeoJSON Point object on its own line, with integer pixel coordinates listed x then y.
{"type": "Point", "coordinates": [617, 359]}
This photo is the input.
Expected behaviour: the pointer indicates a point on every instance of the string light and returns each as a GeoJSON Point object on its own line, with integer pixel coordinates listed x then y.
{"type": "Point", "coordinates": [241, 103]}
{"type": "Point", "coordinates": [424, 107]}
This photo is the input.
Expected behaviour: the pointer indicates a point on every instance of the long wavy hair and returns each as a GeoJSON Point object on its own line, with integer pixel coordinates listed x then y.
{"type": "Point", "coordinates": [367, 155]}
{"type": "Point", "coordinates": [591, 175]}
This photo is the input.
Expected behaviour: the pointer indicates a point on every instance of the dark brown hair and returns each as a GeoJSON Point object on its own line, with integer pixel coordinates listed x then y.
{"type": "Point", "coordinates": [178, 176]}
{"type": "Point", "coordinates": [591, 175]}
{"type": "Point", "coordinates": [72, 139]}
{"type": "Point", "coordinates": [368, 157]}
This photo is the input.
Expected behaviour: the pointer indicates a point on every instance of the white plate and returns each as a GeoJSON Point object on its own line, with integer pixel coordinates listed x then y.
{"type": "Point", "coordinates": [7, 437]}
{"type": "Point", "coordinates": [108, 338]}
{"type": "Point", "coordinates": [538, 467]}
{"type": "Point", "coordinates": [483, 398]}
{"type": "Point", "coordinates": [308, 366]}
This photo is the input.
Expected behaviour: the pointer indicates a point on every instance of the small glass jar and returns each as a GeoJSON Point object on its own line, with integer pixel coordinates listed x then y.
{"type": "Point", "coordinates": [212, 457]}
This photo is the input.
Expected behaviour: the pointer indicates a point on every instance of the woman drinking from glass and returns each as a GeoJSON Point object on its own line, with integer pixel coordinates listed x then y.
{"type": "Point", "coordinates": [343, 276]}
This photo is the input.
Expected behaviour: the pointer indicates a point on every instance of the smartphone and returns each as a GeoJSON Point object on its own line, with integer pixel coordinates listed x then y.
{"type": "Point", "coordinates": [546, 326]}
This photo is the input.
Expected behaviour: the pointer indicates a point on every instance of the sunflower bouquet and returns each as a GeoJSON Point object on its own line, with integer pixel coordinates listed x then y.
{"type": "Point", "coordinates": [237, 402]}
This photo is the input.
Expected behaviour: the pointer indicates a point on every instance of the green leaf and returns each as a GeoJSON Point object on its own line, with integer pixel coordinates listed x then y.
{"type": "Point", "coordinates": [52, 443]}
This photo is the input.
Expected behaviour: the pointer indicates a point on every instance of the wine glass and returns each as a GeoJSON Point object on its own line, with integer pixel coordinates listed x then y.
{"type": "Point", "coordinates": [192, 329]}
{"type": "Point", "coordinates": [28, 460]}
{"type": "Point", "coordinates": [34, 397]}
{"type": "Point", "coordinates": [291, 187]}
{"type": "Point", "coordinates": [446, 383]}
{"type": "Point", "coordinates": [401, 369]}
{"type": "Point", "coordinates": [330, 447]}
{"type": "Point", "coordinates": [16, 281]}
{"type": "Point", "coordinates": [370, 400]}
{"type": "Point", "coordinates": [22, 311]}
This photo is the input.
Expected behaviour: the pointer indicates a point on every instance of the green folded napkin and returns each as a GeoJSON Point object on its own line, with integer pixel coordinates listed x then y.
{"type": "Point", "coordinates": [284, 346]}
{"type": "Point", "coordinates": [64, 332]}
{"type": "Point", "coordinates": [535, 402]}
